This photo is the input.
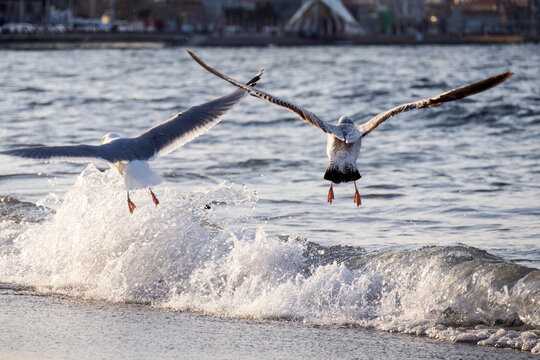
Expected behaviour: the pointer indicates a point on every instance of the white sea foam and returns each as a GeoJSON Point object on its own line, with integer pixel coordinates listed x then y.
{"type": "Point", "coordinates": [178, 256]}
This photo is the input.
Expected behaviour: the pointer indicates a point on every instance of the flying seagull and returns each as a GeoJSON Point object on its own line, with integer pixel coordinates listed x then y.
{"type": "Point", "coordinates": [345, 139]}
{"type": "Point", "coordinates": [130, 156]}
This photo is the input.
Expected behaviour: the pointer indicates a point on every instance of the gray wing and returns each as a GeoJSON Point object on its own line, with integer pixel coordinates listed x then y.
{"type": "Point", "coordinates": [159, 140]}
{"type": "Point", "coordinates": [74, 153]}
{"type": "Point", "coordinates": [301, 112]}
{"type": "Point", "coordinates": [451, 95]}
{"type": "Point", "coordinates": [122, 149]}
{"type": "Point", "coordinates": [186, 126]}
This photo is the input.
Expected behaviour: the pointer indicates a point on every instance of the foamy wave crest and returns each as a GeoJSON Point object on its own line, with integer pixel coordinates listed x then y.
{"type": "Point", "coordinates": [92, 247]}
{"type": "Point", "coordinates": [178, 256]}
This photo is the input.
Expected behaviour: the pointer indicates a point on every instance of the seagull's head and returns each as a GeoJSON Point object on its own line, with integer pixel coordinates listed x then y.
{"type": "Point", "coordinates": [110, 137]}
{"type": "Point", "coordinates": [345, 120]}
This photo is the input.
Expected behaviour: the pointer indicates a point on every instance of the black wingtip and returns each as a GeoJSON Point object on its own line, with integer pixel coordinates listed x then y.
{"type": "Point", "coordinates": [10, 152]}
{"type": "Point", "coordinates": [196, 58]}
{"type": "Point", "coordinates": [490, 82]}
{"type": "Point", "coordinates": [251, 82]}
{"type": "Point", "coordinates": [487, 83]}
{"type": "Point", "coordinates": [470, 89]}
{"type": "Point", "coordinates": [255, 79]}
{"type": "Point", "coordinates": [497, 79]}
{"type": "Point", "coordinates": [21, 153]}
{"type": "Point", "coordinates": [508, 74]}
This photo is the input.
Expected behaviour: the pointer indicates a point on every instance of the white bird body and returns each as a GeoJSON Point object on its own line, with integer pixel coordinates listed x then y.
{"type": "Point", "coordinates": [344, 139]}
{"type": "Point", "coordinates": [343, 154]}
{"type": "Point", "coordinates": [136, 173]}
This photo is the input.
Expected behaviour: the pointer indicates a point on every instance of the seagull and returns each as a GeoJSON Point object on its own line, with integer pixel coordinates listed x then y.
{"type": "Point", "coordinates": [130, 156]}
{"type": "Point", "coordinates": [345, 138]}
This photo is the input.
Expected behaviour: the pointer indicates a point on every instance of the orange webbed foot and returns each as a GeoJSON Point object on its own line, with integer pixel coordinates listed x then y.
{"type": "Point", "coordinates": [154, 197]}
{"type": "Point", "coordinates": [131, 205]}
{"type": "Point", "coordinates": [357, 200]}
{"type": "Point", "coordinates": [330, 194]}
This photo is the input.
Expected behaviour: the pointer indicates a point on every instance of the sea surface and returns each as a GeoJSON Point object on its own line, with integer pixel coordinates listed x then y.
{"type": "Point", "coordinates": [244, 257]}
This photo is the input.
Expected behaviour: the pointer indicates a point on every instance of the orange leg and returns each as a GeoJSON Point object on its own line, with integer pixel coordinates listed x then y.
{"type": "Point", "coordinates": [357, 200]}
{"type": "Point", "coordinates": [131, 205]}
{"type": "Point", "coordinates": [330, 194]}
{"type": "Point", "coordinates": [154, 198]}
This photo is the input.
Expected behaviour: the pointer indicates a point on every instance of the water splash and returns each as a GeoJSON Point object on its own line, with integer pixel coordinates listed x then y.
{"type": "Point", "coordinates": [178, 256]}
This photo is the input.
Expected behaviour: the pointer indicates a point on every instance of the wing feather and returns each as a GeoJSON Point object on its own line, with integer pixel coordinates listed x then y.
{"type": "Point", "coordinates": [437, 100]}
{"type": "Point", "coordinates": [304, 114]}
{"type": "Point", "coordinates": [189, 124]}
{"type": "Point", "coordinates": [159, 140]}
{"type": "Point", "coordinates": [71, 153]}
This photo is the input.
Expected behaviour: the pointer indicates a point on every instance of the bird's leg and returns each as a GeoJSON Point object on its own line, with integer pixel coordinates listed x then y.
{"type": "Point", "coordinates": [154, 198]}
{"type": "Point", "coordinates": [330, 194]}
{"type": "Point", "coordinates": [131, 205]}
{"type": "Point", "coordinates": [357, 200]}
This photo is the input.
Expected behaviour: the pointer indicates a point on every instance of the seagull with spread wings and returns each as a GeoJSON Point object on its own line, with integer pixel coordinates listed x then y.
{"type": "Point", "coordinates": [345, 138]}
{"type": "Point", "coordinates": [130, 156]}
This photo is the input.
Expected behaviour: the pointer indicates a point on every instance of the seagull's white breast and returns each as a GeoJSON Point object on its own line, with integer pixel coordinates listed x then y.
{"type": "Point", "coordinates": [342, 155]}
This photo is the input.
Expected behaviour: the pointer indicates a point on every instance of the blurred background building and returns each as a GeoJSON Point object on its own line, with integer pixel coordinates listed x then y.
{"type": "Point", "coordinates": [319, 18]}
{"type": "Point", "coordinates": [322, 18]}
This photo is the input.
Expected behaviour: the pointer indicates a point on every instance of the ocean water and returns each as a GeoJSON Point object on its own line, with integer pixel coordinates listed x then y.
{"type": "Point", "coordinates": [244, 255]}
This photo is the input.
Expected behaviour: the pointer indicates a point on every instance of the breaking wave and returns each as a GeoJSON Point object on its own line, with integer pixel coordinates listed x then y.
{"type": "Point", "coordinates": [178, 256]}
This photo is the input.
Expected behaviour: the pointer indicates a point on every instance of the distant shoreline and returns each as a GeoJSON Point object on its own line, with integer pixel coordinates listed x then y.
{"type": "Point", "coordinates": [141, 40]}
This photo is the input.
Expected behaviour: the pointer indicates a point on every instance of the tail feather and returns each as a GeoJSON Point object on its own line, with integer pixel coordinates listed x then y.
{"type": "Point", "coordinates": [137, 175]}
{"type": "Point", "coordinates": [338, 176]}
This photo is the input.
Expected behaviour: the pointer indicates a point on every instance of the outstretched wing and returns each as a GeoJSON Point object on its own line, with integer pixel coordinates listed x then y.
{"type": "Point", "coordinates": [72, 153]}
{"type": "Point", "coordinates": [301, 112]}
{"type": "Point", "coordinates": [159, 140]}
{"type": "Point", "coordinates": [451, 95]}
{"type": "Point", "coordinates": [187, 125]}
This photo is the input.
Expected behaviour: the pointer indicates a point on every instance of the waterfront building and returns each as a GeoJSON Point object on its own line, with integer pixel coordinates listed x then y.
{"type": "Point", "coordinates": [27, 11]}
{"type": "Point", "coordinates": [322, 18]}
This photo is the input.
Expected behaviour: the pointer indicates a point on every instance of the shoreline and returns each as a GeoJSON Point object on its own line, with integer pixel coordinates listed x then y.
{"type": "Point", "coordinates": [153, 40]}
{"type": "Point", "coordinates": [57, 327]}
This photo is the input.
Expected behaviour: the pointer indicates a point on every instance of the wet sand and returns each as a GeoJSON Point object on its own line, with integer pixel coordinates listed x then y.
{"type": "Point", "coordinates": [57, 328]}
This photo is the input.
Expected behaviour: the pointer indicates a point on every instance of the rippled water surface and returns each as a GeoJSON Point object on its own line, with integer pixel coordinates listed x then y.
{"type": "Point", "coordinates": [446, 243]}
